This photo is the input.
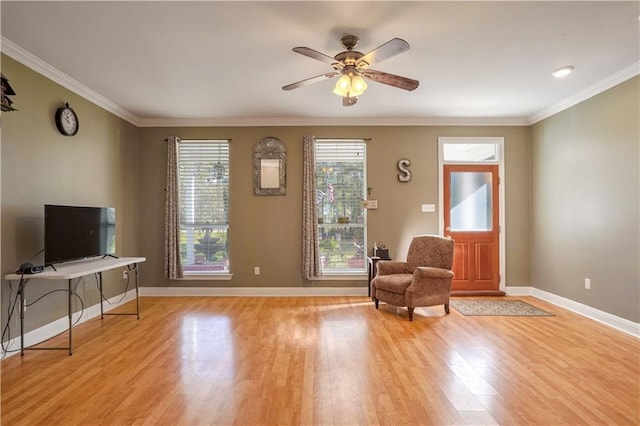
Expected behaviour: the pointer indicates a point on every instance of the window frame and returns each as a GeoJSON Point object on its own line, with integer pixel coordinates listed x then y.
{"type": "Point", "coordinates": [209, 274]}
{"type": "Point", "coordinates": [499, 141]}
{"type": "Point", "coordinates": [359, 272]}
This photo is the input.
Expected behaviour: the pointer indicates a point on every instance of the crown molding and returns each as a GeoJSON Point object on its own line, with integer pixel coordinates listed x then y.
{"type": "Point", "coordinates": [609, 82]}
{"type": "Point", "coordinates": [351, 122]}
{"type": "Point", "coordinates": [38, 65]}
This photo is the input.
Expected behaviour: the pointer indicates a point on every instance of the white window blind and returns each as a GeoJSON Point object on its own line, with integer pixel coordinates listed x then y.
{"type": "Point", "coordinates": [328, 151]}
{"type": "Point", "coordinates": [204, 182]}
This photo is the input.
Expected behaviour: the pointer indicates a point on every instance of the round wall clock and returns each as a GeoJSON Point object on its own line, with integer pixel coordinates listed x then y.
{"type": "Point", "coordinates": [67, 120]}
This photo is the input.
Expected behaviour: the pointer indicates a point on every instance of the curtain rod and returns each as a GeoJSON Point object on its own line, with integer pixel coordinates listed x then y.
{"type": "Point", "coordinates": [229, 139]}
{"type": "Point", "coordinates": [344, 139]}
{"type": "Point", "coordinates": [226, 139]}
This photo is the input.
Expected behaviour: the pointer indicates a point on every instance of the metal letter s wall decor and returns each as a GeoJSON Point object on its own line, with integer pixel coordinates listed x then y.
{"type": "Point", "coordinates": [403, 167]}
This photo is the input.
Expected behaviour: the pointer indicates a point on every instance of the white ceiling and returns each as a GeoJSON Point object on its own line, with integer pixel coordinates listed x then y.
{"type": "Point", "coordinates": [177, 62]}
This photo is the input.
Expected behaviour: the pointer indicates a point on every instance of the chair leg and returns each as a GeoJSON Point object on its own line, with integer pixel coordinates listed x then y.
{"type": "Point", "coordinates": [446, 308]}
{"type": "Point", "coordinates": [410, 313]}
{"type": "Point", "coordinates": [376, 301]}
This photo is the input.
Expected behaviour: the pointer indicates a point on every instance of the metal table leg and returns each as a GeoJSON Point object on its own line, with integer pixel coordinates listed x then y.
{"type": "Point", "coordinates": [70, 320]}
{"type": "Point", "coordinates": [23, 282]}
{"type": "Point", "coordinates": [135, 267]}
{"type": "Point", "coordinates": [101, 296]}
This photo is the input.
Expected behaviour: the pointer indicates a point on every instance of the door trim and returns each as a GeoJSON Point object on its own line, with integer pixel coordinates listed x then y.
{"type": "Point", "coordinates": [501, 190]}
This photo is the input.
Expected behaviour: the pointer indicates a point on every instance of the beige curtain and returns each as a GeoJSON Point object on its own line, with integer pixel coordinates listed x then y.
{"type": "Point", "coordinates": [172, 258]}
{"type": "Point", "coordinates": [310, 252]}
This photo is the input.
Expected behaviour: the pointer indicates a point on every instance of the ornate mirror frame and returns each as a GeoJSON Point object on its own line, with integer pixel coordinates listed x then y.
{"type": "Point", "coordinates": [269, 167]}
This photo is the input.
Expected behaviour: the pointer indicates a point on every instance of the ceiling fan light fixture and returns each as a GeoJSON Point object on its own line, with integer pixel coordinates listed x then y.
{"type": "Point", "coordinates": [358, 86]}
{"type": "Point", "coordinates": [352, 68]}
{"type": "Point", "coordinates": [343, 86]}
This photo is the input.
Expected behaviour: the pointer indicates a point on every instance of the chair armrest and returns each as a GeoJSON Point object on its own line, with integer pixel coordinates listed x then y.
{"type": "Point", "coordinates": [429, 272]}
{"type": "Point", "coordinates": [429, 286]}
{"type": "Point", "coordinates": [389, 267]}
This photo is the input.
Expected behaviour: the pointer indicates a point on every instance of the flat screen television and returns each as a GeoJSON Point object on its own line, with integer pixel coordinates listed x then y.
{"type": "Point", "coordinates": [75, 232]}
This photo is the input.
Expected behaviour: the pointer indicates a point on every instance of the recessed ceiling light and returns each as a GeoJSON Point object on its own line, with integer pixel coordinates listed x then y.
{"type": "Point", "coordinates": [562, 72]}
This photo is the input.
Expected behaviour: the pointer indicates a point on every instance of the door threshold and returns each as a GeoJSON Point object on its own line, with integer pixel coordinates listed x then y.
{"type": "Point", "coordinates": [471, 293]}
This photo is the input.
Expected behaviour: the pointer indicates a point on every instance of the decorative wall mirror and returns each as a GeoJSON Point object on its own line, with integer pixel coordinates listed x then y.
{"type": "Point", "coordinates": [269, 167]}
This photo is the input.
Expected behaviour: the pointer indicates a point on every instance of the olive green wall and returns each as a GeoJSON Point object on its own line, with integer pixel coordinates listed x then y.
{"type": "Point", "coordinates": [97, 167]}
{"type": "Point", "coordinates": [266, 231]}
{"type": "Point", "coordinates": [586, 194]}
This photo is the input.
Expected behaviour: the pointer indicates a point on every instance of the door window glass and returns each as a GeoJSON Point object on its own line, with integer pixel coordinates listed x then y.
{"type": "Point", "coordinates": [471, 201]}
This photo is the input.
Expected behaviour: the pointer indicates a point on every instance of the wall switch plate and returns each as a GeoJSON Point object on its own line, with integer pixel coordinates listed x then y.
{"type": "Point", "coordinates": [256, 270]}
{"type": "Point", "coordinates": [428, 208]}
{"type": "Point", "coordinates": [125, 275]}
{"type": "Point", "coordinates": [587, 283]}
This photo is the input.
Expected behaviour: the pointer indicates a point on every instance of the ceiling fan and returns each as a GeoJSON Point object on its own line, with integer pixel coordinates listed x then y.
{"type": "Point", "coordinates": [353, 68]}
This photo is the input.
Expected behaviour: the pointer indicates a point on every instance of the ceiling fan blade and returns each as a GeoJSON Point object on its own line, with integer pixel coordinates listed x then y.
{"type": "Point", "coordinates": [392, 80]}
{"type": "Point", "coordinates": [386, 51]}
{"type": "Point", "coordinates": [311, 80]}
{"type": "Point", "coordinates": [314, 54]}
{"type": "Point", "coordinates": [348, 101]}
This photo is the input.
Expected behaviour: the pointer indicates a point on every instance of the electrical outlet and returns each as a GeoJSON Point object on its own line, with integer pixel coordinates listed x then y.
{"type": "Point", "coordinates": [125, 275]}
{"type": "Point", "coordinates": [24, 306]}
{"type": "Point", "coordinates": [256, 270]}
{"type": "Point", "coordinates": [587, 283]}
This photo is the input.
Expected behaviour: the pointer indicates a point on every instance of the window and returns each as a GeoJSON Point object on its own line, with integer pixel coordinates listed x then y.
{"type": "Point", "coordinates": [204, 206]}
{"type": "Point", "coordinates": [472, 152]}
{"type": "Point", "coordinates": [341, 188]}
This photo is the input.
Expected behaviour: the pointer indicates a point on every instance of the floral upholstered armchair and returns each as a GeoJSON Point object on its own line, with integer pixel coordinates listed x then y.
{"type": "Point", "coordinates": [423, 280]}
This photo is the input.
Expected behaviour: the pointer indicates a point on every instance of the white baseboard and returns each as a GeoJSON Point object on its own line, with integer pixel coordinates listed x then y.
{"type": "Point", "coordinates": [606, 318]}
{"type": "Point", "coordinates": [254, 291]}
{"type": "Point", "coordinates": [61, 325]}
{"type": "Point", "coordinates": [518, 290]}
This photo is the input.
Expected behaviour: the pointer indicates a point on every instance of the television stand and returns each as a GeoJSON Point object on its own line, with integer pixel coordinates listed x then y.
{"type": "Point", "coordinates": [71, 271]}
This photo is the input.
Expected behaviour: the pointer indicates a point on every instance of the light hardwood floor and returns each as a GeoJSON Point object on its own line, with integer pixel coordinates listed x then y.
{"type": "Point", "coordinates": [326, 361]}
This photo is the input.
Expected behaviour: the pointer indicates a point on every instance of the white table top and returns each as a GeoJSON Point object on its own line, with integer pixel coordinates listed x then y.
{"type": "Point", "coordinates": [78, 268]}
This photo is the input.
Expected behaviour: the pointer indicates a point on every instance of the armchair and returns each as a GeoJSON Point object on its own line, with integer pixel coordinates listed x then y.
{"type": "Point", "coordinates": [423, 280]}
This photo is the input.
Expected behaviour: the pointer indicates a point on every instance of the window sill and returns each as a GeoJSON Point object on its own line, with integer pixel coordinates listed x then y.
{"type": "Point", "coordinates": [205, 277]}
{"type": "Point", "coordinates": [343, 277]}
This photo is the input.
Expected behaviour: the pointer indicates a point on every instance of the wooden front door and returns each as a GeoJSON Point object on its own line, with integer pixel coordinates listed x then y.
{"type": "Point", "coordinates": [471, 219]}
